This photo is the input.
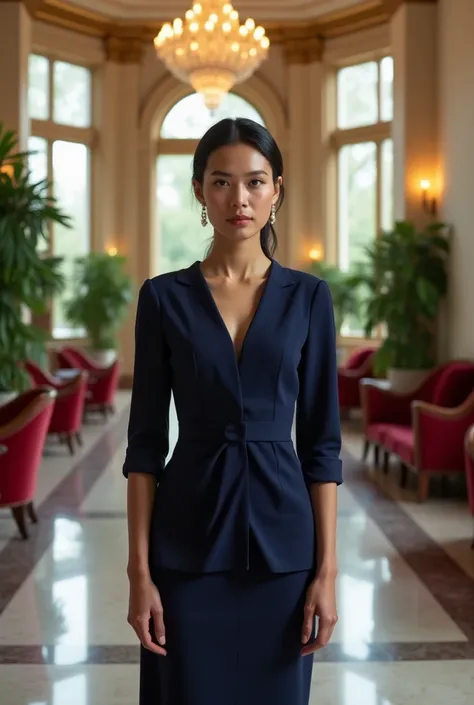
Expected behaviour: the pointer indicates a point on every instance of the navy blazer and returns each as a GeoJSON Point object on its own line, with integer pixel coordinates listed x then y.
{"type": "Point", "coordinates": [234, 477]}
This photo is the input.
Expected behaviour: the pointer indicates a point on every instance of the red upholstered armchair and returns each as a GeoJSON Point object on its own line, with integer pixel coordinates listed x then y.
{"type": "Point", "coordinates": [426, 428]}
{"type": "Point", "coordinates": [24, 423]}
{"type": "Point", "coordinates": [358, 365]}
{"type": "Point", "coordinates": [76, 358]}
{"type": "Point", "coordinates": [469, 465]}
{"type": "Point", "coordinates": [41, 378]}
{"type": "Point", "coordinates": [102, 383]}
{"type": "Point", "coordinates": [69, 410]}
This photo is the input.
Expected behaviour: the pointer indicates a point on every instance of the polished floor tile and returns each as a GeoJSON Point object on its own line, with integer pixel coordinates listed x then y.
{"type": "Point", "coordinates": [332, 684]}
{"type": "Point", "coordinates": [403, 637]}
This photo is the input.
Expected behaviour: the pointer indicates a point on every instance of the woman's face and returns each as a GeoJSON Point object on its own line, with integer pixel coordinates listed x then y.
{"type": "Point", "coordinates": [238, 190]}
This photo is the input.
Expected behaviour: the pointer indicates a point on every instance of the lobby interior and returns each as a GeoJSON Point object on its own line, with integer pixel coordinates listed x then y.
{"type": "Point", "coordinates": [371, 103]}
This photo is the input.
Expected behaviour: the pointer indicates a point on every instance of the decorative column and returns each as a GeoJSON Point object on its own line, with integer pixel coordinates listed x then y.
{"type": "Point", "coordinates": [15, 45]}
{"type": "Point", "coordinates": [304, 163]}
{"type": "Point", "coordinates": [117, 190]}
{"type": "Point", "coordinates": [414, 35]}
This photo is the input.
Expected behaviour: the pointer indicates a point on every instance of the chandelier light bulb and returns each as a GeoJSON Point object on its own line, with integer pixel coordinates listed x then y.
{"type": "Point", "coordinates": [210, 50]}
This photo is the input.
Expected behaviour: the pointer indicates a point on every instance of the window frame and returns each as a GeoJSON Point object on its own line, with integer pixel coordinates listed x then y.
{"type": "Point", "coordinates": [52, 132]}
{"type": "Point", "coordinates": [377, 133]}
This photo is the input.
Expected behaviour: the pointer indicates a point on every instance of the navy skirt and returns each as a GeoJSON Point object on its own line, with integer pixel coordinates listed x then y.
{"type": "Point", "coordinates": [232, 639]}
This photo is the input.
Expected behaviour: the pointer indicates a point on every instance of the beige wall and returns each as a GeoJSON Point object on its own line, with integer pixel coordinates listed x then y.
{"type": "Point", "coordinates": [456, 111]}
{"type": "Point", "coordinates": [297, 106]}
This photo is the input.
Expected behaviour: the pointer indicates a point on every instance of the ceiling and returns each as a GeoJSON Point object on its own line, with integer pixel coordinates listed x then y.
{"type": "Point", "coordinates": [270, 10]}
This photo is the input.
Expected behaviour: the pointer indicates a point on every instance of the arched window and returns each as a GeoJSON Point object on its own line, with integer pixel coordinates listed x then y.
{"type": "Point", "coordinates": [180, 238]}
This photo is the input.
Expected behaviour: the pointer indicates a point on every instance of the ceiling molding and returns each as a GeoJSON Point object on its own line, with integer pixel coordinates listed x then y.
{"type": "Point", "coordinates": [302, 41]}
{"type": "Point", "coordinates": [392, 6]}
{"type": "Point", "coordinates": [124, 50]}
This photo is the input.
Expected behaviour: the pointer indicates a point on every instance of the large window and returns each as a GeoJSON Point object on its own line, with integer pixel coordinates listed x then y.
{"type": "Point", "coordinates": [180, 238]}
{"type": "Point", "coordinates": [59, 101]}
{"type": "Point", "coordinates": [364, 161]}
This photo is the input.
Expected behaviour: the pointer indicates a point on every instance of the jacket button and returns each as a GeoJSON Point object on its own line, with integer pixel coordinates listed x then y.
{"type": "Point", "coordinates": [235, 432]}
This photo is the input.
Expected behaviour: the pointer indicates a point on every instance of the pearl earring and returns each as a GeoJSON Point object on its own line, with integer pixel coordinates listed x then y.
{"type": "Point", "coordinates": [204, 220]}
{"type": "Point", "coordinates": [273, 215]}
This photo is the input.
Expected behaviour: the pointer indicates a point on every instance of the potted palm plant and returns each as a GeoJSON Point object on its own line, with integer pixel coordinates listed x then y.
{"type": "Point", "coordinates": [28, 279]}
{"type": "Point", "coordinates": [407, 277]}
{"type": "Point", "coordinates": [102, 293]}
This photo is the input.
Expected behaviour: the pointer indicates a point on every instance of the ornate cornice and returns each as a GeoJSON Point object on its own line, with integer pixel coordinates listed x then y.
{"type": "Point", "coordinates": [392, 6]}
{"type": "Point", "coordinates": [302, 42]}
{"type": "Point", "coordinates": [302, 47]}
{"type": "Point", "coordinates": [124, 50]}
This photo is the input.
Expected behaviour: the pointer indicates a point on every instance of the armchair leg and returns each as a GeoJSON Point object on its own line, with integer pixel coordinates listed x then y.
{"type": "Point", "coordinates": [403, 475]}
{"type": "Point", "coordinates": [19, 517]}
{"type": "Point", "coordinates": [423, 486]}
{"type": "Point", "coordinates": [30, 508]}
{"type": "Point", "coordinates": [376, 456]}
{"type": "Point", "coordinates": [386, 458]}
{"type": "Point", "coordinates": [70, 443]}
{"type": "Point", "coordinates": [79, 439]}
{"type": "Point", "coordinates": [366, 450]}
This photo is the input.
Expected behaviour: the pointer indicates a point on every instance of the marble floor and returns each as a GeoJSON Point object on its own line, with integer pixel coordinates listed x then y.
{"type": "Point", "coordinates": [405, 590]}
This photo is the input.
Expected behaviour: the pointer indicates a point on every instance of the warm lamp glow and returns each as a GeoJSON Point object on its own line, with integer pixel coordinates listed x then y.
{"type": "Point", "coordinates": [7, 169]}
{"type": "Point", "coordinates": [428, 202]}
{"type": "Point", "coordinates": [316, 253]}
{"type": "Point", "coordinates": [112, 251]}
{"type": "Point", "coordinates": [229, 53]}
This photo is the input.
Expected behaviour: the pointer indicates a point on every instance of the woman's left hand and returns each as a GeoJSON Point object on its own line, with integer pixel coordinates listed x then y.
{"type": "Point", "coordinates": [321, 603]}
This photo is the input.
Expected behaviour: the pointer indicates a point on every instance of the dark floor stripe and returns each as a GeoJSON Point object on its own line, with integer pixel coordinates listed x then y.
{"type": "Point", "coordinates": [333, 653]}
{"type": "Point", "coordinates": [19, 558]}
{"type": "Point", "coordinates": [444, 578]}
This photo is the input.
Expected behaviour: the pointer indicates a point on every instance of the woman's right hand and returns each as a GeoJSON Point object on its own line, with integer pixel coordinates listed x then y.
{"type": "Point", "coordinates": [145, 605]}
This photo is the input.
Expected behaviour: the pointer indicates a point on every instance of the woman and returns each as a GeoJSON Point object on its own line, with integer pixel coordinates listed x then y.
{"type": "Point", "coordinates": [232, 543]}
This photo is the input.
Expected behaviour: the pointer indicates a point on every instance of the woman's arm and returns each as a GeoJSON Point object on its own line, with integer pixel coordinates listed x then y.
{"type": "Point", "coordinates": [318, 426]}
{"type": "Point", "coordinates": [324, 501]}
{"type": "Point", "coordinates": [140, 497]}
{"type": "Point", "coordinates": [146, 453]}
{"type": "Point", "coordinates": [318, 441]}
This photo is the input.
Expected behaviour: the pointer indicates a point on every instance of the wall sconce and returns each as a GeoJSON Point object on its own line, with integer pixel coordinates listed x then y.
{"type": "Point", "coordinates": [112, 251]}
{"type": "Point", "coordinates": [7, 169]}
{"type": "Point", "coordinates": [429, 203]}
{"type": "Point", "coordinates": [316, 253]}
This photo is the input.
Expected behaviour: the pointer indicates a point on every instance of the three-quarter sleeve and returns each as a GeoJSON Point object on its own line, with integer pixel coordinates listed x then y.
{"type": "Point", "coordinates": [148, 428]}
{"type": "Point", "coordinates": [318, 430]}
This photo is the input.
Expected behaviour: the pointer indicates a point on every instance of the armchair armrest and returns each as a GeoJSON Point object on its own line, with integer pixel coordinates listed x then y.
{"type": "Point", "coordinates": [364, 370]}
{"type": "Point", "coordinates": [66, 389]}
{"type": "Point", "coordinates": [439, 434]}
{"type": "Point", "coordinates": [469, 442]}
{"type": "Point", "coordinates": [381, 405]}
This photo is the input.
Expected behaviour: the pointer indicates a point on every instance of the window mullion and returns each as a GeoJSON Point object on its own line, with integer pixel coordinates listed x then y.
{"type": "Point", "coordinates": [379, 187]}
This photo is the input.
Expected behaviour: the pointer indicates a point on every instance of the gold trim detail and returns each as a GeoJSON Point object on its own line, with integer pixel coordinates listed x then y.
{"type": "Point", "coordinates": [301, 47]}
{"type": "Point", "coordinates": [124, 50]}
{"type": "Point", "coordinates": [302, 41]}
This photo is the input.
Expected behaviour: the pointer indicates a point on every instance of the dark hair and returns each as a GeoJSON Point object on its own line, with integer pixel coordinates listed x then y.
{"type": "Point", "coordinates": [243, 131]}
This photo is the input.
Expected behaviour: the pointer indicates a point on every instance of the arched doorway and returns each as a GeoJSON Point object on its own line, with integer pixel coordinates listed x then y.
{"type": "Point", "coordinates": [179, 237]}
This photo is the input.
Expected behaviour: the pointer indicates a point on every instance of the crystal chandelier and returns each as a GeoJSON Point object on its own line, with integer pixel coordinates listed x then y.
{"type": "Point", "coordinates": [211, 50]}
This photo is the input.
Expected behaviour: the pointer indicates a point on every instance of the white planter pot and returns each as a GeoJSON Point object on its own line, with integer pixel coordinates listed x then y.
{"type": "Point", "coordinates": [405, 381]}
{"type": "Point", "coordinates": [5, 397]}
{"type": "Point", "coordinates": [103, 357]}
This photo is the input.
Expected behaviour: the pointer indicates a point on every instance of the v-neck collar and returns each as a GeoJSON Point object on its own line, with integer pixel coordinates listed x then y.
{"type": "Point", "coordinates": [218, 315]}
